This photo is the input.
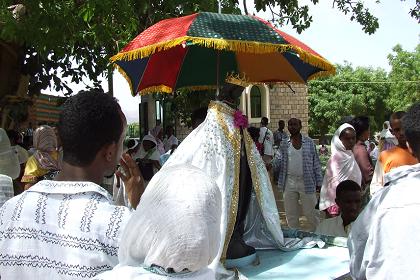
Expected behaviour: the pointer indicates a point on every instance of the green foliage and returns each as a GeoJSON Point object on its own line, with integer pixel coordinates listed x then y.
{"type": "Point", "coordinates": [359, 91]}
{"type": "Point", "coordinates": [181, 105]}
{"type": "Point", "coordinates": [405, 78]}
{"type": "Point", "coordinates": [297, 14]}
{"type": "Point", "coordinates": [365, 91]}
{"type": "Point", "coordinates": [75, 38]}
{"type": "Point", "coordinates": [133, 130]}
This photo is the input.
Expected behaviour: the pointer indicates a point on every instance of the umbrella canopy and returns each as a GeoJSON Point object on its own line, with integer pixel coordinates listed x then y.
{"type": "Point", "coordinates": [200, 50]}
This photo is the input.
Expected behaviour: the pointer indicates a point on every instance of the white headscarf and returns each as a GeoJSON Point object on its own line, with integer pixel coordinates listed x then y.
{"type": "Point", "coordinates": [176, 225]}
{"type": "Point", "coordinates": [141, 153]}
{"type": "Point", "coordinates": [45, 142]}
{"type": "Point", "coordinates": [340, 167]}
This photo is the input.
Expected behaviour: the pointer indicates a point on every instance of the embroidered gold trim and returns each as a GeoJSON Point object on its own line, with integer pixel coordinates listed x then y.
{"type": "Point", "coordinates": [254, 173]}
{"type": "Point", "coordinates": [221, 107]}
{"type": "Point", "coordinates": [235, 140]}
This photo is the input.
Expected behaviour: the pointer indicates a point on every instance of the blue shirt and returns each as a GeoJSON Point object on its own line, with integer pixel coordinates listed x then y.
{"type": "Point", "coordinates": [312, 176]}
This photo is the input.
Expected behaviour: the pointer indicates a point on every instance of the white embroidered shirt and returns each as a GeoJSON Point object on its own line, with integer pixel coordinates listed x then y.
{"type": "Point", "coordinates": [60, 230]}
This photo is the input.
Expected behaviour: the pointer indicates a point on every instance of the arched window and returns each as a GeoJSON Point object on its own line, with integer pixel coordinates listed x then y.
{"type": "Point", "coordinates": [256, 102]}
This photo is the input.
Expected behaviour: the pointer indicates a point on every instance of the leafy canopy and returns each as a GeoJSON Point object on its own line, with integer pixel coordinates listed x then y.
{"type": "Point", "coordinates": [75, 38]}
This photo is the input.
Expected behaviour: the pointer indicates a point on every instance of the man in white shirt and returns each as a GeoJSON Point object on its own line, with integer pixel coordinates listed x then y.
{"type": "Point", "coordinates": [68, 228]}
{"type": "Point", "coordinates": [266, 139]}
{"type": "Point", "coordinates": [349, 199]}
{"type": "Point", "coordinates": [384, 242]}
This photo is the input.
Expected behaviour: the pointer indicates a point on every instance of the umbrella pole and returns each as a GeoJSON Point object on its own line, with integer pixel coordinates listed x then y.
{"type": "Point", "coordinates": [219, 3]}
{"type": "Point", "coordinates": [217, 73]}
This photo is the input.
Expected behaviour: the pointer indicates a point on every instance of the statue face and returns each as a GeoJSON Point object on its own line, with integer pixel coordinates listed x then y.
{"type": "Point", "coordinates": [231, 93]}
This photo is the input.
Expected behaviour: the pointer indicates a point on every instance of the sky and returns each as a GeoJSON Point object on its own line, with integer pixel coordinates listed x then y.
{"type": "Point", "coordinates": [332, 35]}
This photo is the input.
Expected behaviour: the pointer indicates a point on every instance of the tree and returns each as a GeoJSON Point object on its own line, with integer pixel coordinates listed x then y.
{"type": "Point", "coordinates": [360, 91]}
{"type": "Point", "coordinates": [77, 37]}
{"type": "Point", "coordinates": [404, 78]}
{"type": "Point", "coordinates": [297, 14]}
{"type": "Point", "coordinates": [133, 130]}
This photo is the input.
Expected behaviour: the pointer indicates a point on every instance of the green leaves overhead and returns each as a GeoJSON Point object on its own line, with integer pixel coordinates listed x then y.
{"type": "Point", "coordinates": [365, 91]}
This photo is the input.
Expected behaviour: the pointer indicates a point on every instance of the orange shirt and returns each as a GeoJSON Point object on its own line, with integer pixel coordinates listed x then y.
{"type": "Point", "coordinates": [396, 157]}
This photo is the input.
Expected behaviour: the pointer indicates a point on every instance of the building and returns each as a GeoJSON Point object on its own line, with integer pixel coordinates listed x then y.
{"type": "Point", "coordinates": [45, 110]}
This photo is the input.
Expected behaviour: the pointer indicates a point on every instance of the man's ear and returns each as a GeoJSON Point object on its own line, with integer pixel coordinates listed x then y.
{"type": "Point", "coordinates": [109, 151]}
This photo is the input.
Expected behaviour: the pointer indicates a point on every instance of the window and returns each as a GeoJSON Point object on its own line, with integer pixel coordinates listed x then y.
{"type": "Point", "coordinates": [256, 102]}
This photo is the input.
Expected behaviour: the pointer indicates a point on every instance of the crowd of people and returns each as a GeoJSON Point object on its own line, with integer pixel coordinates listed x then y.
{"type": "Point", "coordinates": [82, 204]}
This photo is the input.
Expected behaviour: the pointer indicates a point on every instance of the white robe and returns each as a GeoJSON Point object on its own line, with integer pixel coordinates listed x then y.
{"type": "Point", "coordinates": [214, 147]}
{"type": "Point", "coordinates": [384, 242]}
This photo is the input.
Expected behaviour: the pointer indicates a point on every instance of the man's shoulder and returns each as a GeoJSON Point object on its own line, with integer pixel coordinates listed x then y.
{"type": "Point", "coordinates": [307, 139]}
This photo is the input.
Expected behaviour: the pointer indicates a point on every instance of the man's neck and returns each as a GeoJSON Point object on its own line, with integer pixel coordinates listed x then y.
{"type": "Point", "coordinates": [296, 136]}
{"type": "Point", "coordinates": [79, 174]}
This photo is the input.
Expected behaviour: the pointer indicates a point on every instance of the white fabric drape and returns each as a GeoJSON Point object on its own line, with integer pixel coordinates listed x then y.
{"type": "Point", "coordinates": [175, 226]}
{"type": "Point", "coordinates": [340, 167]}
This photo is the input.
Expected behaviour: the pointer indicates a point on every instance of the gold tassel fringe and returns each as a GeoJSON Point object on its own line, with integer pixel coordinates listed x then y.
{"type": "Point", "coordinates": [228, 45]}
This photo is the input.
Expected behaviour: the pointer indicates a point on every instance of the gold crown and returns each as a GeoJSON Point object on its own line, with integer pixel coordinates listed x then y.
{"type": "Point", "coordinates": [237, 80]}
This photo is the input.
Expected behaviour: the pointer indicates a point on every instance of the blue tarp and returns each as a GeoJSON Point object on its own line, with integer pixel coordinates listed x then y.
{"type": "Point", "coordinates": [311, 264]}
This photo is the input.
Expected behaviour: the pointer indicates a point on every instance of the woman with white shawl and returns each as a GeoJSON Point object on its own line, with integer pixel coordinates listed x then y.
{"type": "Point", "coordinates": [341, 166]}
{"type": "Point", "coordinates": [387, 140]}
{"type": "Point", "coordinates": [157, 133]}
{"type": "Point", "coordinates": [174, 233]}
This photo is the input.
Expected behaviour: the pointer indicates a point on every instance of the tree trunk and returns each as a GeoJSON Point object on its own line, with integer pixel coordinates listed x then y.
{"type": "Point", "coordinates": [110, 81]}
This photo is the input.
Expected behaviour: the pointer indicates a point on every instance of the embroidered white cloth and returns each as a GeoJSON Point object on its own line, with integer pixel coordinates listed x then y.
{"type": "Point", "coordinates": [340, 167]}
{"type": "Point", "coordinates": [60, 230]}
{"type": "Point", "coordinates": [174, 233]}
{"type": "Point", "coordinates": [333, 227]}
{"type": "Point", "coordinates": [384, 242]}
{"type": "Point", "coordinates": [215, 148]}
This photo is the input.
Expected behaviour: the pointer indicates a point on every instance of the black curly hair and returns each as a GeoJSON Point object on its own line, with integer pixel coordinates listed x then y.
{"type": "Point", "coordinates": [89, 121]}
{"type": "Point", "coordinates": [347, 186]}
{"type": "Point", "coordinates": [411, 127]}
{"type": "Point", "coordinates": [360, 124]}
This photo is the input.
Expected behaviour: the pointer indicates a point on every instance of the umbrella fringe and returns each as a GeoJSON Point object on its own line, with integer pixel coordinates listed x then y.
{"type": "Point", "coordinates": [155, 89]}
{"type": "Point", "coordinates": [321, 74]}
{"type": "Point", "coordinates": [198, 88]}
{"type": "Point", "coordinates": [229, 45]}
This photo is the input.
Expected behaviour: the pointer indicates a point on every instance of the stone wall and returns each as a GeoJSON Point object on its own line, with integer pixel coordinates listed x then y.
{"type": "Point", "coordinates": [284, 104]}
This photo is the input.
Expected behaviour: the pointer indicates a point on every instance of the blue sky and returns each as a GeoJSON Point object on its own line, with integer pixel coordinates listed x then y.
{"type": "Point", "coordinates": [332, 35]}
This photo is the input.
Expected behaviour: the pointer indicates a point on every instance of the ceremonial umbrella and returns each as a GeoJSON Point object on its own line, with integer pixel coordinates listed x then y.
{"type": "Point", "coordinates": [200, 50]}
